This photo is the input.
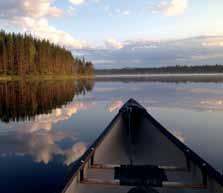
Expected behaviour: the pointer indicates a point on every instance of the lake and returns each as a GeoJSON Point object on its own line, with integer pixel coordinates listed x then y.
{"type": "Point", "coordinates": [46, 126]}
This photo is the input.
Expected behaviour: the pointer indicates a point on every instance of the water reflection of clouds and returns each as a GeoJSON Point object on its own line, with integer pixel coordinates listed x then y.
{"type": "Point", "coordinates": [74, 153]}
{"type": "Point", "coordinates": [178, 134]}
{"type": "Point", "coordinates": [110, 88]}
{"type": "Point", "coordinates": [43, 146]}
{"type": "Point", "coordinates": [46, 121]}
{"type": "Point", "coordinates": [199, 99]}
{"type": "Point", "coordinates": [216, 105]}
{"type": "Point", "coordinates": [204, 105]}
{"type": "Point", "coordinates": [210, 99]}
{"type": "Point", "coordinates": [198, 90]}
{"type": "Point", "coordinates": [105, 89]}
{"type": "Point", "coordinates": [38, 139]}
{"type": "Point", "coordinates": [115, 105]}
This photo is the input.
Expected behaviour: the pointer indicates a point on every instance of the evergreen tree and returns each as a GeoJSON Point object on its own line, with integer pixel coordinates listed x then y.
{"type": "Point", "coordinates": [23, 55]}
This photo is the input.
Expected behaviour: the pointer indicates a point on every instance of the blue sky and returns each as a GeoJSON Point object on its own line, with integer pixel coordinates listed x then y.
{"type": "Point", "coordinates": [104, 30]}
{"type": "Point", "coordinates": [95, 21]}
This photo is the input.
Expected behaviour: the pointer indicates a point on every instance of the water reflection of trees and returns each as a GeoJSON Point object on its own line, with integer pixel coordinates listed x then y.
{"type": "Point", "coordinates": [22, 100]}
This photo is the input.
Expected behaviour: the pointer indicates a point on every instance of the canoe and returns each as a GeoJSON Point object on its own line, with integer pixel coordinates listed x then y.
{"type": "Point", "coordinates": [136, 154]}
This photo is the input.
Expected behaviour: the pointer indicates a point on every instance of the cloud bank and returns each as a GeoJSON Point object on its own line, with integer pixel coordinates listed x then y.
{"type": "Point", "coordinates": [32, 17]}
{"type": "Point", "coordinates": [174, 7]}
{"type": "Point", "coordinates": [112, 43]}
{"type": "Point", "coordinates": [29, 8]}
{"type": "Point", "coordinates": [199, 50]}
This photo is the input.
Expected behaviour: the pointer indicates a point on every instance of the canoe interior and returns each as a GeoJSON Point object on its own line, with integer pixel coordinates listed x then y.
{"type": "Point", "coordinates": [135, 138]}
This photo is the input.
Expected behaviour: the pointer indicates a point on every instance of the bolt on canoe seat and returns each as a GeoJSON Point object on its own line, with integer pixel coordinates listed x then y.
{"type": "Point", "coordinates": [140, 175]}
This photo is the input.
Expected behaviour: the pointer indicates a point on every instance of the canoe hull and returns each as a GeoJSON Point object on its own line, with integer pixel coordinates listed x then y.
{"type": "Point", "coordinates": [135, 138]}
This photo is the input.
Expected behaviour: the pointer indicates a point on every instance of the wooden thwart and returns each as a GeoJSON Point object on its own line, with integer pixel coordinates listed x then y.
{"type": "Point", "coordinates": [164, 184]}
{"type": "Point", "coordinates": [112, 166]}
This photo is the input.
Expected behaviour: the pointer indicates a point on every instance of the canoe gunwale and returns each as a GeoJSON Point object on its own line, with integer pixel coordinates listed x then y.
{"type": "Point", "coordinates": [85, 158]}
{"type": "Point", "coordinates": [204, 166]}
{"type": "Point", "coordinates": [206, 169]}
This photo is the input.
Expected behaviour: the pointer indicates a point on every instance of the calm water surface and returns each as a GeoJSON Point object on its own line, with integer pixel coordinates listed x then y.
{"type": "Point", "coordinates": [46, 126]}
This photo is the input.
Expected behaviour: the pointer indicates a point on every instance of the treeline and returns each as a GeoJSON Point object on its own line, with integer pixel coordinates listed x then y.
{"type": "Point", "coordinates": [25, 55]}
{"type": "Point", "coordinates": [164, 70]}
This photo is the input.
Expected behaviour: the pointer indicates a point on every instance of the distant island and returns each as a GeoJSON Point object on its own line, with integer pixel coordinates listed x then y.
{"type": "Point", "coordinates": [203, 69]}
{"type": "Point", "coordinates": [25, 56]}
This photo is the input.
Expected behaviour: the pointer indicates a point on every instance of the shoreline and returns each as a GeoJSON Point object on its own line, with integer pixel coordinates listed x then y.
{"type": "Point", "coordinates": [44, 77]}
{"type": "Point", "coordinates": [176, 78]}
{"type": "Point", "coordinates": [149, 77]}
{"type": "Point", "coordinates": [158, 75]}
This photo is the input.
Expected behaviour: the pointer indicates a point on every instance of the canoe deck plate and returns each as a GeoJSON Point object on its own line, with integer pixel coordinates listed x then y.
{"type": "Point", "coordinates": [140, 175]}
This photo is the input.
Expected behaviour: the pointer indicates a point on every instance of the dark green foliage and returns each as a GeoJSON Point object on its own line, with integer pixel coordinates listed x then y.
{"type": "Point", "coordinates": [24, 55]}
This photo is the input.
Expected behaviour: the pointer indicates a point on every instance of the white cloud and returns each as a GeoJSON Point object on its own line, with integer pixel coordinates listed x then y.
{"type": "Point", "coordinates": [174, 7]}
{"type": "Point", "coordinates": [126, 12]}
{"type": "Point", "coordinates": [31, 16]}
{"type": "Point", "coordinates": [77, 2]}
{"type": "Point", "coordinates": [123, 12]}
{"type": "Point", "coordinates": [141, 53]}
{"type": "Point", "coordinates": [213, 42]}
{"type": "Point", "coordinates": [29, 8]}
{"type": "Point", "coordinates": [113, 43]}
{"type": "Point", "coordinates": [71, 10]}
{"type": "Point", "coordinates": [41, 8]}
{"type": "Point", "coordinates": [40, 28]}
{"type": "Point", "coordinates": [103, 61]}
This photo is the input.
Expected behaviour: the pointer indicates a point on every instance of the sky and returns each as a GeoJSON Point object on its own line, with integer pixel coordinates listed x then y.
{"type": "Point", "coordinates": [118, 34]}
